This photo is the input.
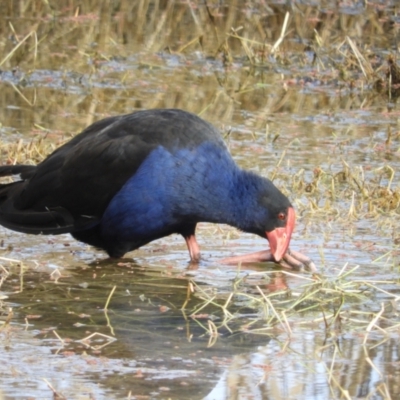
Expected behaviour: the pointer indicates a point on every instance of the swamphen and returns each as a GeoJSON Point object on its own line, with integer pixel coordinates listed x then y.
{"type": "Point", "coordinates": [128, 180]}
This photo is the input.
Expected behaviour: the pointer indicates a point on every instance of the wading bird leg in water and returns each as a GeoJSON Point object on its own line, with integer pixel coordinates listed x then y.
{"type": "Point", "coordinates": [291, 260]}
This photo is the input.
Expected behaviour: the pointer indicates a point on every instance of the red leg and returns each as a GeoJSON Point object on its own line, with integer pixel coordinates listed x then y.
{"type": "Point", "coordinates": [193, 247]}
{"type": "Point", "coordinates": [259, 256]}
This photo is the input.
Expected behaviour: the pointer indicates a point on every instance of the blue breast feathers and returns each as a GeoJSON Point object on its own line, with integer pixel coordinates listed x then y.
{"type": "Point", "coordinates": [186, 186]}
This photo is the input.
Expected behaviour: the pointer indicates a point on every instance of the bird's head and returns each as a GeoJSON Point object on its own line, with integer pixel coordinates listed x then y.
{"type": "Point", "coordinates": [276, 218]}
{"type": "Point", "coordinates": [279, 237]}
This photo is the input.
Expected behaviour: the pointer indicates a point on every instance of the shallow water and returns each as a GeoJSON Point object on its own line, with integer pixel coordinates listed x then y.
{"type": "Point", "coordinates": [284, 117]}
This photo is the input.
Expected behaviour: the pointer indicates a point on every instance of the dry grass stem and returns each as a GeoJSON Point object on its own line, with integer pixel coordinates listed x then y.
{"type": "Point", "coordinates": [276, 45]}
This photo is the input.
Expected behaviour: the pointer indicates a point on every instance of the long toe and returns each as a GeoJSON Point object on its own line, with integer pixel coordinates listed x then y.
{"type": "Point", "coordinates": [298, 261]}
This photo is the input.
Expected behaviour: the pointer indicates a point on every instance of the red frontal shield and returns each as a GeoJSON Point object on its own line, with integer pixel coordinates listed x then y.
{"type": "Point", "coordinates": [279, 238]}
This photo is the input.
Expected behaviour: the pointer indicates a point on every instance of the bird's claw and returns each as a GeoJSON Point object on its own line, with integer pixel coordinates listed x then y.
{"type": "Point", "coordinates": [296, 260]}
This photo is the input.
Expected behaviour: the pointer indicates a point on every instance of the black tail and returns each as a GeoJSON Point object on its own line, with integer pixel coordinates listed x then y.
{"type": "Point", "coordinates": [44, 220]}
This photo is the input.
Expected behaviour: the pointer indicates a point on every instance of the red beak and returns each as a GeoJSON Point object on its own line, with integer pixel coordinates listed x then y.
{"type": "Point", "coordinates": [279, 238]}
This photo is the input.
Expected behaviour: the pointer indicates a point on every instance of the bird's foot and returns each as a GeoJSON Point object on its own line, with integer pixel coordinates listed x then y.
{"type": "Point", "coordinates": [291, 260]}
{"type": "Point", "coordinates": [296, 260]}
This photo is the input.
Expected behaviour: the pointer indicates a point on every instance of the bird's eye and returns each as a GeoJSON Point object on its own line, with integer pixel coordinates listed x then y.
{"type": "Point", "coordinates": [281, 216]}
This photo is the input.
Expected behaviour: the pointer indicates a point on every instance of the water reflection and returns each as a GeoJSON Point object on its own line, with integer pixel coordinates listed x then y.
{"type": "Point", "coordinates": [288, 371]}
{"type": "Point", "coordinates": [157, 345]}
{"type": "Point", "coordinates": [160, 350]}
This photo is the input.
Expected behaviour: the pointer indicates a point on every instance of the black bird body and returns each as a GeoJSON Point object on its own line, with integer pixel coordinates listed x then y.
{"type": "Point", "coordinates": [128, 180]}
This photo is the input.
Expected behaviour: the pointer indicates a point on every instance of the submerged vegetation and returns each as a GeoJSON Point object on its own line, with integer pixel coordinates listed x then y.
{"type": "Point", "coordinates": [305, 93]}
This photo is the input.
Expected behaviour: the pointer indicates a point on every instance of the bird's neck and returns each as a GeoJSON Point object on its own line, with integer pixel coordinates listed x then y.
{"type": "Point", "coordinates": [227, 195]}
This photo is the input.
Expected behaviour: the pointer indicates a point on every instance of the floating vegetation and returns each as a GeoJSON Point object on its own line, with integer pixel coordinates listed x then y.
{"type": "Point", "coordinates": [334, 304]}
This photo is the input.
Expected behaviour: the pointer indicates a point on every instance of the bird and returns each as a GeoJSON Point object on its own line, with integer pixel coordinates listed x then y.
{"type": "Point", "coordinates": [130, 179]}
